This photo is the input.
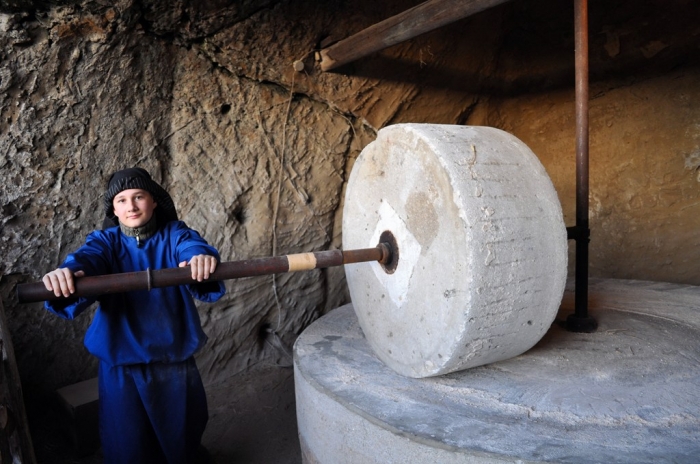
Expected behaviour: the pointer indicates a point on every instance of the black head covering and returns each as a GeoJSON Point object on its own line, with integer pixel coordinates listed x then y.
{"type": "Point", "coordinates": [137, 178]}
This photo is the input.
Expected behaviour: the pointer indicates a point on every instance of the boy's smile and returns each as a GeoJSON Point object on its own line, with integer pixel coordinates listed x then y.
{"type": "Point", "coordinates": [134, 207]}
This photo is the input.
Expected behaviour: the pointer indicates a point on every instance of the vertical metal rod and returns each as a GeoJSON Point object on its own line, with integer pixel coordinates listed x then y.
{"type": "Point", "coordinates": [580, 320]}
{"type": "Point", "coordinates": [582, 177]}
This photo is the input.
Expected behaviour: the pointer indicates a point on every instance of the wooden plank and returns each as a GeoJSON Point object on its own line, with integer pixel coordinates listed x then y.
{"type": "Point", "coordinates": [15, 440]}
{"type": "Point", "coordinates": [411, 23]}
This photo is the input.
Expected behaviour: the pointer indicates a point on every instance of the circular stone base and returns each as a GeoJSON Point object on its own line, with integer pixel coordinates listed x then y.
{"type": "Point", "coordinates": [630, 392]}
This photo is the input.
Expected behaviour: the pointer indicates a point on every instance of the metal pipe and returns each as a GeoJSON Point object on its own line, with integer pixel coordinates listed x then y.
{"type": "Point", "coordinates": [580, 321]}
{"type": "Point", "coordinates": [91, 286]}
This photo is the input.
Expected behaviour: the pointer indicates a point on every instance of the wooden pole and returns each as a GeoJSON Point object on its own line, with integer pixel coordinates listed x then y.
{"type": "Point", "coordinates": [146, 280]}
{"type": "Point", "coordinates": [14, 426]}
{"type": "Point", "coordinates": [411, 23]}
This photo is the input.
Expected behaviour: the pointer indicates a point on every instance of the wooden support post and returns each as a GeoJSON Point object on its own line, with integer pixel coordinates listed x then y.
{"type": "Point", "coordinates": [15, 440]}
{"type": "Point", "coordinates": [411, 23]}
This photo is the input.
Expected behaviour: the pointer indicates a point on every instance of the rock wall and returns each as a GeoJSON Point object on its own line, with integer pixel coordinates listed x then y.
{"type": "Point", "coordinates": [256, 155]}
{"type": "Point", "coordinates": [644, 127]}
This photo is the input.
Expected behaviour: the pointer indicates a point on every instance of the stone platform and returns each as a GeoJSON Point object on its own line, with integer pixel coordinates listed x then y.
{"type": "Point", "coordinates": [629, 392]}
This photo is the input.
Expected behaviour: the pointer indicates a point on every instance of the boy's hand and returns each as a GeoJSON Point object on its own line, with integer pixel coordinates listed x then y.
{"type": "Point", "coordinates": [202, 266]}
{"type": "Point", "coordinates": [60, 281]}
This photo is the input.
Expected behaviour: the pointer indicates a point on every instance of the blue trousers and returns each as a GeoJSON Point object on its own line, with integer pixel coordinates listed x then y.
{"type": "Point", "coordinates": [152, 413]}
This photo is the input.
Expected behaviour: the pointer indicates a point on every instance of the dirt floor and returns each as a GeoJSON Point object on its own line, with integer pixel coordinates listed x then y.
{"type": "Point", "coordinates": [252, 419]}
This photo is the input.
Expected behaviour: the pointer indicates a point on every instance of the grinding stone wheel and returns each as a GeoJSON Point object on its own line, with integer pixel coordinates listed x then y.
{"type": "Point", "coordinates": [481, 240]}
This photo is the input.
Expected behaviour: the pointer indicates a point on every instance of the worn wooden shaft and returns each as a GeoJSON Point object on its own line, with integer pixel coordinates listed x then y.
{"type": "Point", "coordinates": [91, 286]}
{"type": "Point", "coordinates": [404, 26]}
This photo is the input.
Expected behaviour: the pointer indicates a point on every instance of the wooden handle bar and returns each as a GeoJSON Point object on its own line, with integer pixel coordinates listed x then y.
{"type": "Point", "coordinates": [146, 280]}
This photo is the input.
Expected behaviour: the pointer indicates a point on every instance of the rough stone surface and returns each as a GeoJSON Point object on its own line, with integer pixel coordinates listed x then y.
{"type": "Point", "coordinates": [481, 244]}
{"type": "Point", "coordinates": [198, 93]}
{"type": "Point", "coordinates": [627, 393]}
{"type": "Point", "coordinates": [643, 207]}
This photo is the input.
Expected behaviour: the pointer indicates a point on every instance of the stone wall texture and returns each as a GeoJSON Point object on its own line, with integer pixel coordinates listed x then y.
{"type": "Point", "coordinates": [256, 155]}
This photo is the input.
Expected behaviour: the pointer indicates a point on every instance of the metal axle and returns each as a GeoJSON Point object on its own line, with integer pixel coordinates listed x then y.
{"type": "Point", "coordinates": [384, 253]}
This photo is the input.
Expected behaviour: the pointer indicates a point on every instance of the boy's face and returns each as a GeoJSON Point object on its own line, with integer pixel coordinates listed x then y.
{"type": "Point", "coordinates": [134, 207]}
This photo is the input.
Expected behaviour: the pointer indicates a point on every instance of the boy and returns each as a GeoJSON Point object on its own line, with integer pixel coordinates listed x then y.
{"type": "Point", "coordinates": [153, 408]}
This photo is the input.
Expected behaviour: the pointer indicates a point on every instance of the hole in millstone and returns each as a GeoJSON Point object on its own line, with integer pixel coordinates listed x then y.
{"type": "Point", "coordinates": [529, 322]}
{"type": "Point", "coordinates": [388, 238]}
{"type": "Point", "coordinates": [225, 108]}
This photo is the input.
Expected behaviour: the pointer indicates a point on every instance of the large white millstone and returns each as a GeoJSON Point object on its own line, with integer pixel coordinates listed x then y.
{"type": "Point", "coordinates": [482, 246]}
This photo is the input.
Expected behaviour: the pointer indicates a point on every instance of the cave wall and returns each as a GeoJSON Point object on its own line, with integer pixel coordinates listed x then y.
{"type": "Point", "coordinates": [644, 127]}
{"type": "Point", "coordinates": [256, 155]}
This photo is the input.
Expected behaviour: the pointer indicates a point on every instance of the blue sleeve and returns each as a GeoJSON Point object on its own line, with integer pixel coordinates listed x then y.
{"type": "Point", "coordinates": [189, 244]}
{"type": "Point", "coordinates": [69, 308]}
{"type": "Point", "coordinates": [93, 259]}
{"type": "Point", "coordinates": [208, 292]}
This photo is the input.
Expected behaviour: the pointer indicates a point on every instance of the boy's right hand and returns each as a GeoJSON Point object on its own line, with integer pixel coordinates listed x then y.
{"type": "Point", "coordinates": [60, 281]}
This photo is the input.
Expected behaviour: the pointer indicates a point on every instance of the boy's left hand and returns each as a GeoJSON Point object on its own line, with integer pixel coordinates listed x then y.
{"type": "Point", "coordinates": [202, 266]}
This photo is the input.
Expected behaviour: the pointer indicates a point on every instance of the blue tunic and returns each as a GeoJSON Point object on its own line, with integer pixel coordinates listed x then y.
{"type": "Point", "coordinates": [142, 326]}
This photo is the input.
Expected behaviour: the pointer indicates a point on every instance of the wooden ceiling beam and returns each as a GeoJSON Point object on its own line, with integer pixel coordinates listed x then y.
{"type": "Point", "coordinates": [404, 26]}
